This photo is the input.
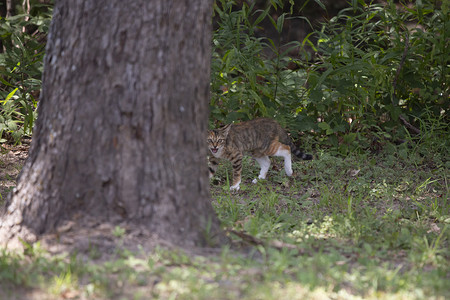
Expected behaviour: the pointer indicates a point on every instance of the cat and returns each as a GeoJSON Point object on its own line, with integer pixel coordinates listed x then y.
{"type": "Point", "coordinates": [260, 138]}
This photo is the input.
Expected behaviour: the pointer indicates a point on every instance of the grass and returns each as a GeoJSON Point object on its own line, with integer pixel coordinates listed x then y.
{"type": "Point", "coordinates": [360, 227]}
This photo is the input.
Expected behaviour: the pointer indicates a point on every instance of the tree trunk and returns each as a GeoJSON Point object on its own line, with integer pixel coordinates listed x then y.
{"type": "Point", "coordinates": [122, 121]}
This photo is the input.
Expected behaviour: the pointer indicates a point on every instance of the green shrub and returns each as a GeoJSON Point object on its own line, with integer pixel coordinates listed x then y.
{"type": "Point", "coordinates": [381, 62]}
{"type": "Point", "coordinates": [20, 73]}
{"type": "Point", "coordinates": [376, 70]}
{"type": "Point", "coordinates": [249, 73]}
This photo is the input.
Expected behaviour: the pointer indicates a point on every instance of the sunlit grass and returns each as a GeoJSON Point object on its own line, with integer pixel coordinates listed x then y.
{"type": "Point", "coordinates": [343, 228]}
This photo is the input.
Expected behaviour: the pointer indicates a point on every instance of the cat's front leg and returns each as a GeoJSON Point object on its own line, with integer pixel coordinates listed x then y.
{"type": "Point", "coordinates": [235, 187]}
{"type": "Point", "coordinates": [236, 162]}
{"type": "Point", "coordinates": [212, 166]}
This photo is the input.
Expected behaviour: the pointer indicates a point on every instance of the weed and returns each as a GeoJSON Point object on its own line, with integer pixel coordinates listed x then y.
{"type": "Point", "coordinates": [119, 231]}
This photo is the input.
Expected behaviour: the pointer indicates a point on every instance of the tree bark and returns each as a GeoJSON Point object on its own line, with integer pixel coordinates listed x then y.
{"type": "Point", "coordinates": [122, 121]}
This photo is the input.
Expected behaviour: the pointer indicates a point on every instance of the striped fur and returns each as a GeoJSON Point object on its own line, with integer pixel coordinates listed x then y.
{"type": "Point", "coordinates": [260, 138]}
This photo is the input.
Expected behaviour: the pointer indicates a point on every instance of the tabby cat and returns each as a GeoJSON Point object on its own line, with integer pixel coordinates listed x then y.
{"type": "Point", "coordinates": [260, 138]}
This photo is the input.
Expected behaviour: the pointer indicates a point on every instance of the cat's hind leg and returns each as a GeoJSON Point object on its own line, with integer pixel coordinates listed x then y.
{"type": "Point", "coordinates": [285, 152]}
{"type": "Point", "coordinates": [264, 163]}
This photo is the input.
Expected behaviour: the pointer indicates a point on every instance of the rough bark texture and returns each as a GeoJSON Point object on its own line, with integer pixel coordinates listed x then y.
{"type": "Point", "coordinates": [122, 121]}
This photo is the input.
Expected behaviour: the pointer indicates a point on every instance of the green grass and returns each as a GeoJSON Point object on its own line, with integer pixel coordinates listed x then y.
{"type": "Point", "coordinates": [361, 227]}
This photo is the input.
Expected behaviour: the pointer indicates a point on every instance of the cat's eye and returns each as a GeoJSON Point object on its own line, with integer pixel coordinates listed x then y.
{"type": "Point", "coordinates": [221, 141]}
{"type": "Point", "coordinates": [210, 140]}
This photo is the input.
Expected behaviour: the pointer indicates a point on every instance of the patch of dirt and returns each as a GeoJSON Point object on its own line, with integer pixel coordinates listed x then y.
{"type": "Point", "coordinates": [96, 240]}
{"type": "Point", "coordinates": [12, 158]}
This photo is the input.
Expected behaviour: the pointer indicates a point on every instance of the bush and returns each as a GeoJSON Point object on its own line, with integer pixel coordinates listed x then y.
{"type": "Point", "coordinates": [376, 68]}
{"type": "Point", "coordinates": [381, 63]}
{"type": "Point", "coordinates": [250, 77]}
{"type": "Point", "coordinates": [21, 69]}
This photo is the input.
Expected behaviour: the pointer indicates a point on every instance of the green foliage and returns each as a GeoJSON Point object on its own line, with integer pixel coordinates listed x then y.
{"type": "Point", "coordinates": [371, 65]}
{"type": "Point", "coordinates": [249, 73]}
{"type": "Point", "coordinates": [381, 61]}
{"type": "Point", "coordinates": [20, 73]}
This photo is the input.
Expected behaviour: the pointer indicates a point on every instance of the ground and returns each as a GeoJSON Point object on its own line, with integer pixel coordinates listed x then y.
{"type": "Point", "coordinates": [364, 226]}
{"type": "Point", "coordinates": [11, 161]}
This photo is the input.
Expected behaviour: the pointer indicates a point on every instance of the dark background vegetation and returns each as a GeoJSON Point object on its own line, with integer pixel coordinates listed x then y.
{"type": "Point", "coordinates": [355, 74]}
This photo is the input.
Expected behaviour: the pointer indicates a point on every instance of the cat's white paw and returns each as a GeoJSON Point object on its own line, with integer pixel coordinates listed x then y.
{"type": "Point", "coordinates": [289, 173]}
{"type": "Point", "coordinates": [234, 188]}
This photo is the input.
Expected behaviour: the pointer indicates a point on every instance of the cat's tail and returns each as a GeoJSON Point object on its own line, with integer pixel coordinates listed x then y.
{"type": "Point", "coordinates": [298, 152]}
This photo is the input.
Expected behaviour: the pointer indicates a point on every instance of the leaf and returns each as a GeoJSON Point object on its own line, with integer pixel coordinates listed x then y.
{"type": "Point", "coordinates": [304, 123]}
{"type": "Point", "coordinates": [272, 21]}
{"type": "Point", "coordinates": [306, 40]}
{"type": "Point", "coordinates": [353, 173]}
{"type": "Point", "coordinates": [11, 125]}
{"type": "Point", "coordinates": [262, 16]}
{"type": "Point", "coordinates": [259, 102]}
{"type": "Point", "coordinates": [324, 76]}
{"type": "Point", "coordinates": [324, 126]}
{"type": "Point", "coordinates": [419, 6]}
{"type": "Point", "coordinates": [6, 82]}
{"type": "Point", "coordinates": [227, 58]}
{"type": "Point", "coordinates": [316, 96]}
{"type": "Point", "coordinates": [280, 23]}
{"type": "Point", "coordinates": [10, 95]}
{"type": "Point", "coordinates": [350, 138]}
{"type": "Point", "coordinates": [320, 4]}
{"type": "Point", "coordinates": [289, 47]}
{"type": "Point", "coordinates": [17, 17]}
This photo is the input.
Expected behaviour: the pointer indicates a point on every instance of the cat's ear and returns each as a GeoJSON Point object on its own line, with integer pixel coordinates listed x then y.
{"type": "Point", "coordinates": [225, 129]}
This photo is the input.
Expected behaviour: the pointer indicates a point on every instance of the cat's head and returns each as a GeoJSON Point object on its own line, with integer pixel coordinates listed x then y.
{"type": "Point", "coordinates": [217, 139]}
